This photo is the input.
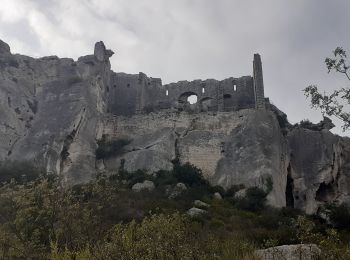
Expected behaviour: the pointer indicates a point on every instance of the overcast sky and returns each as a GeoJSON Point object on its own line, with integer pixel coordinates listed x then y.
{"type": "Point", "coordinates": [193, 39]}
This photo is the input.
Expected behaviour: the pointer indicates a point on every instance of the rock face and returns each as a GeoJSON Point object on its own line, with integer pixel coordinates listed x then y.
{"type": "Point", "coordinates": [54, 111]}
{"type": "Point", "coordinates": [195, 212]}
{"type": "Point", "coordinates": [290, 252]}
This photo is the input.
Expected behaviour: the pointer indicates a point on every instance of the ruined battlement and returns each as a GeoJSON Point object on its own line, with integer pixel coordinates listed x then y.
{"type": "Point", "coordinates": [135, 94]}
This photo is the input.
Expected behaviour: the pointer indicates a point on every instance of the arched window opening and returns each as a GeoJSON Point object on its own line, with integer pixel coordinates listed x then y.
{"type": "Point", "coordinates": [188, 97]}
{"type": "Point", "coordinates": [206, 104]}
{"type": "Point", "coordinates": [228, 102]}
{"type": "Point", "coordinates": [192, 99]}
{"type": "Point", "coordinates": [234, 87]}
{"type": "Point", "coordinates": [203, 90]}
{"type": "Point", "coordinates": [167, 92]}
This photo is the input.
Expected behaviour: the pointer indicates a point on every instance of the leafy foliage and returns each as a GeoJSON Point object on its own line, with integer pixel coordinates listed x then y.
{"type": "Point", "coordinates": [254, 200]}
{"type": "Point", "coordinates": [333, 104]}
{"type": "Point", "coordinates": [339, 216]}
{"type": "Point", "coordinates": [105, 219]}
{"type": "Point", "coordinates": [189, 174]}
{"type": "Point", "coordinates": [20, 171]}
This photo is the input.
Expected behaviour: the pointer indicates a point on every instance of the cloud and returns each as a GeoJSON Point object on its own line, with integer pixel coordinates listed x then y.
{"type": "Point", "coordinates": [190, 39]}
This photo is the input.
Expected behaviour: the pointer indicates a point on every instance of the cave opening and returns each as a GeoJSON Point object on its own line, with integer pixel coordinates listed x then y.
{"type": "Point", "coordinates": [325, 192]}
{"type": "Point", "coordinates": [289, 189]}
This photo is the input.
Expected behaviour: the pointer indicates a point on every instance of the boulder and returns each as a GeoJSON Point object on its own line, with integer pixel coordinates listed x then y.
{"type": "Point", "coordinates": [290, 252]}
{"type": "Point", "coordinates": [146, 185]}
{"type": "Point", "coordinates": [196, 212]}
{"type": "Point", "coordinates": [200, 204]}
{"type": "Point", "coordinates": [217, 196]}
{"type": "Point", "coordinates": [240, 194]}
{"type": "Point", "coordinates": [178, 190]}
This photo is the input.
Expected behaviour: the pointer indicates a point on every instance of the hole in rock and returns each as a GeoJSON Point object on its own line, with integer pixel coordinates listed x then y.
{"type": "Point", "coordinates": [324, 192]}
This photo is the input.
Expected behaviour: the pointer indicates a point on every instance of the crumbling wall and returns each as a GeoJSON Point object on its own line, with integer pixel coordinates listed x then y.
{"type": "Point", "coordinates": [137, 94]}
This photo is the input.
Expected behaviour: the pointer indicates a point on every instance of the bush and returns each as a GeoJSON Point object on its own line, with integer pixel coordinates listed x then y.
{"type": "Point", "coordinates": [107, 149]}
{"type": "Point", "coordinates": [134, 177]}
{"type": "Point", "coordinates": [189, 174]}
{"type": "Point", "coordinates": [339, 216]}
{"type": "Point", "coordinates": [254, 200]}
{"type": "Point", "coordinates": [165, 178]}
{"type": "Point", "coordinates": [20, 171]}
{"type": "Point", "coordinates": [230, 192]}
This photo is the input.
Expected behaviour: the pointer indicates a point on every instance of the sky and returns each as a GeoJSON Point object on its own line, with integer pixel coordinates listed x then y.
{"type": "Point", "coordinates": [194, 39]}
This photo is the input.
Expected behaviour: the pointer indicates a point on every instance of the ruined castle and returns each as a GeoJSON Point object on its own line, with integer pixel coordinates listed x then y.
{"type": "Point", "coordinates": [54, 111]}
{"type": "Point", "coordinates": [141, 94]}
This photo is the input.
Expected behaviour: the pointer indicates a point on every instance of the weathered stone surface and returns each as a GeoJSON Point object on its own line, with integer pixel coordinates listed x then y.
{"type": "Point", "coordinates": [4, 48]}
{"type": "Point", "coordinates": [200, 204]}
{"type": "Point", "coordinates": [146, 185]}
{"type": "Point", "coordinates": [195, 212]}
{"type": "Point", "coordinates": [49, 111]}
{"type": "Point", "coordinates": [290, 252]}
{"type": "Point", "coordinates": [217, 196]}
{"type": "Point", "coordinates": [53, 111]}
{"type": "Point", "coordinates": [101, 53]}
{"type": "Point", "coordinates": [240, 194]}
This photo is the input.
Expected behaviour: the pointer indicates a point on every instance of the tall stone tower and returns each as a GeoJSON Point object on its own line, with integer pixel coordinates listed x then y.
{"type": "Point", "coordinates": [258, 83]}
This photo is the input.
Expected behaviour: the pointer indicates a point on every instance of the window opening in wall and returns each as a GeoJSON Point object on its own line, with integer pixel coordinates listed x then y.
{"type": "Point", "coordinates": [234, 87]}
{"type": "Point", "coordinates": [167, 92]}
{"type": "Point", "coordinates": [192, 99]}
{"type": "Point", "coordinates": [203, 90]}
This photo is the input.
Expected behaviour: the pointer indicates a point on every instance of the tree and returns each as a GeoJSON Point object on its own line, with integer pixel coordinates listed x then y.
{"type": "Point", "coordinates": [333, 104]}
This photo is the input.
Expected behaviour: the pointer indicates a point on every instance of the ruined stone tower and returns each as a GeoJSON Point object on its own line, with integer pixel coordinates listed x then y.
{"type": "Point", "coordinates": [258, 83]}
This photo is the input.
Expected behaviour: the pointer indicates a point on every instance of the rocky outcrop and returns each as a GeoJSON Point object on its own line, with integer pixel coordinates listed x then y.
{"type": "Point", "coordinates": [49, 110]}
{"type": "Point", "coordinates": [53, 111]}
{"type": "Point", "coordinates": [146, 185]}
{"type": "Point", "coordinates": [290, 252]}
{"type": "Point", "coordinates": [195, 212]}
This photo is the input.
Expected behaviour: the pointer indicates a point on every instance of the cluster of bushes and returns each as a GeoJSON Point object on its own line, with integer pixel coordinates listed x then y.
{"type": "Point", "coordinates": [19, 171]}
{"type": "Point", "coordinates": [105, 219]}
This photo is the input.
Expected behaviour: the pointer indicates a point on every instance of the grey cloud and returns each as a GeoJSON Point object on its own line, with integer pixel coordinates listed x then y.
{"type": "Point", "coordinates": [185, 39]}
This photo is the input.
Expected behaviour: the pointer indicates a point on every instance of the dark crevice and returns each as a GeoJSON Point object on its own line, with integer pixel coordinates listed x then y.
{"type": "Point", "coordinates": [289, 189]}
{"type": "Point", "coordinates": [67, 143]}
{"type": "Point", "coordinates": [176, 161]}
{"type": "Point", "coordinates": [325, 192]}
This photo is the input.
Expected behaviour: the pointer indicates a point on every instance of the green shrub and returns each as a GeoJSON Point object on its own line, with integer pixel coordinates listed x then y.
{"type": "Point", "coordinates": [230, 192]}
{"type": "Point", "coordinates": [189, 174]}
{"type": "Point", "coordinates": [339, 216]}
{"type": "Point", "coordinates": [254, 200]}
{"type": "Point", "coordinates": [165, 178]}
{"type": "Point", "coordinates": [20, 171]}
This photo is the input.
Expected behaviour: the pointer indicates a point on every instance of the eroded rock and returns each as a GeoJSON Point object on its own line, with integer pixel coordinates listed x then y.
{"type": "Point", "coordinates": [290, 252]}
{"type": "Point", "coordinates": [146, 185]}
{"type": "Point", "coordinates": [200, 204]}
{"type": "Point", "coordinates": [196, 212]}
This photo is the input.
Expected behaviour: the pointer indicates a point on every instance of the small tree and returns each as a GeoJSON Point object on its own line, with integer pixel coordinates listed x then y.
{"type": "Point", "coordinates": [333, 104]}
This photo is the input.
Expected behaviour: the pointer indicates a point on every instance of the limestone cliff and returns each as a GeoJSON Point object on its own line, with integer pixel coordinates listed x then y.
{"type": "Point", "coordinates": [54, 111]}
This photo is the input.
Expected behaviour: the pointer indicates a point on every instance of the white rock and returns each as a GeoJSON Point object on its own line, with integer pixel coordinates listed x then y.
{"type": "Point", "coordinates": [146, 185]}
{"type": "Point", "coordinates": [195, 212]}
{"type": "Point", "coordinates": [217, 196]}
{"type": "Point", "coordinates": [240, 194]}
{"type": "Point", "coordinates": [201, 204]}
{"type": "Point", "coordinates": [290, 252]}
